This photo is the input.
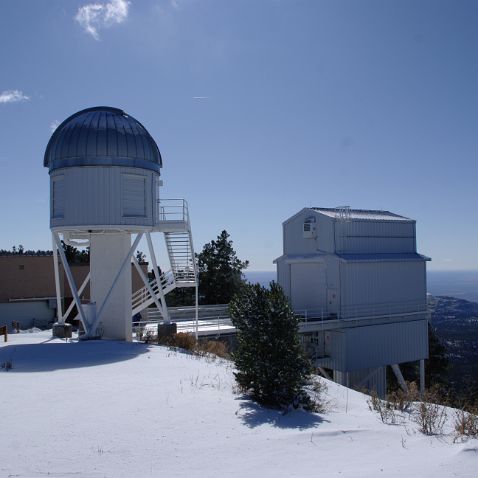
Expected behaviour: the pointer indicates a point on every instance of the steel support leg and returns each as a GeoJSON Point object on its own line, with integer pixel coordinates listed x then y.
{"type": "Point", "coordinates": [71, 281]}
{"type": "Point", "coordinates": [59, 308]}
{"type": "Point", "coordinates": [422, 377]}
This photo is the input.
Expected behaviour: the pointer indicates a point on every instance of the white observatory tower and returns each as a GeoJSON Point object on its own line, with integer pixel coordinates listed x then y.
{"type": "Point", "coordinates": [104, 193]}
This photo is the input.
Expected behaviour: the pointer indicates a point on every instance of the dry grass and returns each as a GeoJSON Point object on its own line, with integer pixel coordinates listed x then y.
{"type": "Point", "coordinates": [180, 340]}
{"type": "Point", "coordinates": [214, 347]}
{"type": "Point", "coordinates": [430, 416]}
{"type": "Point", "coordinates": [397, 403]}
{"type": "Point", "coordinates": [466, 423]}
{"type": "Point", "coordinates": [427, 411]}
{"type": "Point", "coordinates": [205, 348]}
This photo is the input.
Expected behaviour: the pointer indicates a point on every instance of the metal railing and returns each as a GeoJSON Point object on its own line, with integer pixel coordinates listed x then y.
{"type": "Point", "coordinates": [213, 325]}
{"type": "Point", "coordinates": [365, 311]}
{"type": "Point", "coordinates": [143, 295]}
{"type": "Point", "coordinates": [173, 210]}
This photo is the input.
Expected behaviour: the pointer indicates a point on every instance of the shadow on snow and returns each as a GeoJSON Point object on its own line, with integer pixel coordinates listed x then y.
{"type": "Point", "coordinates": [47, 357]}
{"type": "Point", "coordinates": [254, 415]}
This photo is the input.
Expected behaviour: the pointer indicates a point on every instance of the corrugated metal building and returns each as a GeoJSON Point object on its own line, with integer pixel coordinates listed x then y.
{"type": "Point", "coordinates": [359, 269]}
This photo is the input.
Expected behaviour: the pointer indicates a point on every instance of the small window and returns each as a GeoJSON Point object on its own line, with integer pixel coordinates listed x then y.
{"type": "Point", "coordinates": [21, 267]}
{"type": "Point", "coordinates": [134, 195]}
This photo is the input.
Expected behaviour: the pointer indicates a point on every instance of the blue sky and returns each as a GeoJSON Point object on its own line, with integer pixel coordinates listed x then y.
{"type": "Point", "coordinates": [372, 104]}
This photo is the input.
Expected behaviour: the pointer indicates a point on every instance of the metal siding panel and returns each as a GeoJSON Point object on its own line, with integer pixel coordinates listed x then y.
{"type": "Point", "coordinates": [375, 237]}
{"type": "Point", "coordinates": [373, 288]}
{"type": "Point", "coordinates": [376, 346]}
{"type": "Point", "coordinates": [338, 350]}
{"type": "Point", "coordinates": [93, 196]}
{"type": "Point", "coordinates": [58, 196]}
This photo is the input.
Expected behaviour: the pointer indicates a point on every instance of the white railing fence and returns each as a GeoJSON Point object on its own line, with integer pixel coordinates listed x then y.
{"type": "Point", "coordinates": [173, 210]}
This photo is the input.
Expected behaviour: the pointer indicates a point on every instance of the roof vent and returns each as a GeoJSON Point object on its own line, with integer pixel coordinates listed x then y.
{"type": "Point", "coordinates": [342, 213]}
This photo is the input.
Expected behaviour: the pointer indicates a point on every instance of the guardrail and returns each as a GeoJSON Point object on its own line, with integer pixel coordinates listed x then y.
{"type": "Point", "coordinates": [364, 311]}
{"type": "Point", "coordinates": [173, 210]}
{"type": "Point", "coordinates": [142, 295]}
{"type": "Point", "coordinates": [186, 325]}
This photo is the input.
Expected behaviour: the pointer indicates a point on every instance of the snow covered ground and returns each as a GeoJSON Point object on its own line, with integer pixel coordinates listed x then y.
{"type": "Point", "coordinates": [113, 409]}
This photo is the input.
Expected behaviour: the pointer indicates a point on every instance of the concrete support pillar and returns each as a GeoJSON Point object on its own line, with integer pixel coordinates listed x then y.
{"type": "Point", "coordinates": [107, 253]}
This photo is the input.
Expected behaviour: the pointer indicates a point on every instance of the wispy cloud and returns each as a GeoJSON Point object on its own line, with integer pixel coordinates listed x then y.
{"type": "Point", "coordinates": [54, 125]}
{"type": "Point", "coordinates": [200, 97]}
{"type": "Point", "coordinates": [13, 96]}
{"type": "Point", "coordinates": [93, 17]}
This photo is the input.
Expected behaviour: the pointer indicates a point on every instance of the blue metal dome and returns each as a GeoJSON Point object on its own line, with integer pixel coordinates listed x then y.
{"type": "Point", "coordinates": [102, 136]}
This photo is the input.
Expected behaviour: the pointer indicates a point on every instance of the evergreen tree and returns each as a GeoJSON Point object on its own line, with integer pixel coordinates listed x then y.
{"type": "Point", "coordinates": [270, 362]}
{"type": "Point", "coordinates": [141, 257]}
{"type": "Point", "coordinates": [220, 271]}
{"type": "Point", "coordinates": [74, 255]}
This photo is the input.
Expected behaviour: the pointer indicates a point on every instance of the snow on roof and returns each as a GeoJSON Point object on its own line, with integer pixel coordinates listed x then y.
{"type": "Point", "coordinates": [361, 214]}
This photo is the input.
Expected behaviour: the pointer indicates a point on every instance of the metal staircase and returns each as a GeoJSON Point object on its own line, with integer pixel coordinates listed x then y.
{"type": "Point", "coordinates": [174, 222]}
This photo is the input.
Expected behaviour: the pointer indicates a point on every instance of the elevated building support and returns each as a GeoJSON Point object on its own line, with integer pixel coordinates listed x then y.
{"type": "Point", "coordinates": [164, 308]}
{"type": "Point", "coordinates": [59, 312]}
{"type": "Point", "coordinates": [401, 380]}
{"type": "Point", "coordinates": [110, 287]}
{"type": "Point", "coordinates": [59, 247]}
{"type": "Point", "coordinates": [422, 377]}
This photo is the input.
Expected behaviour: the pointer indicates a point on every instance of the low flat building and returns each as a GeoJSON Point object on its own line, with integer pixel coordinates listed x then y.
{"type": "Point", "coordinates": [27, 289]}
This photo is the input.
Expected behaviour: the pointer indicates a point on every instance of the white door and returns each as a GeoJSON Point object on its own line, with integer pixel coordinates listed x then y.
{"type": "Point", "coordinates": [332, 302]}
{"type": "Point", "coordinates": [307, 287]}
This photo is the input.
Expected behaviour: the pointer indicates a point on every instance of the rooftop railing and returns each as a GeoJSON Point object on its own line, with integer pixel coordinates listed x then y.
{"type": "Point", "coordinates": [173, 210]}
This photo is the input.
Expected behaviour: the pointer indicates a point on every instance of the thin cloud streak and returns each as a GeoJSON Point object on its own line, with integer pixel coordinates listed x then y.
{"type": "Point", "coordinates": [94, 17]}
{"type": "Point", "coordinates": [13, 96]}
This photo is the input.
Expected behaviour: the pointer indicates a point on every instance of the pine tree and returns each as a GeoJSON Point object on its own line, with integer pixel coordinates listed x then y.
{"type": "Point", "coordinates": [270, 362]}
{"type": "Point", "coordinates": [220, 271]}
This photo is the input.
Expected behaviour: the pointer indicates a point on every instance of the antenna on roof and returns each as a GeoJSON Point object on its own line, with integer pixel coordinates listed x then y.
{"type": "Point", "coordinates": [342, 213]}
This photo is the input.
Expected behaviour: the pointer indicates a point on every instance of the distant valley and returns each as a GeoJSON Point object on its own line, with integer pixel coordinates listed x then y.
{"type": "Point", "coordinates": [456, 324]}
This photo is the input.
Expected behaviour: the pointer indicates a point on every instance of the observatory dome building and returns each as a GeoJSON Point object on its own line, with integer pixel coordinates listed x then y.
{"type": "Point", "coordinates": [104, 171]}
{"type": "Point", "coordinates": [109, 160]}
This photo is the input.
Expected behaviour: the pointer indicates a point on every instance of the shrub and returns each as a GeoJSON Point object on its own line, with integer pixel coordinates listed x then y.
{"type": "Point", "coordinates": [397, 403]}
{"type": "Point", "coordinates": [402, 400]}
{"type": "Point", "coordinates": [180, 340]}
{"type": "Point", "coordinates": [384, 408]}
{"type": "Point", "coordinates": [430, 415]}
{"type": "Point", "coordinates": [213, 347]}
{"type": "Point", "coordinates": [188, 342]}
{"type": "Point", "coordinates": [466, 423]}
{"type": "Point", "coordinates": [270, 362]}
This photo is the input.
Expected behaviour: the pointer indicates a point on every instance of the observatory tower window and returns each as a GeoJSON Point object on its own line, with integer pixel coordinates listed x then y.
{"type": "Point", "coordinates": [134, 195]}
{"type": "Point", "coordinates": [309, 228]}
{"type": "Point", "coordinates": [58, 199]}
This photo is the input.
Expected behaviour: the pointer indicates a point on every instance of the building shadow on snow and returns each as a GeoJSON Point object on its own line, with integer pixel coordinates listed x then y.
{"type": "Point", "coordinates": [47, 357]}
{"type": "Point", "coordinates": [254, 415]}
